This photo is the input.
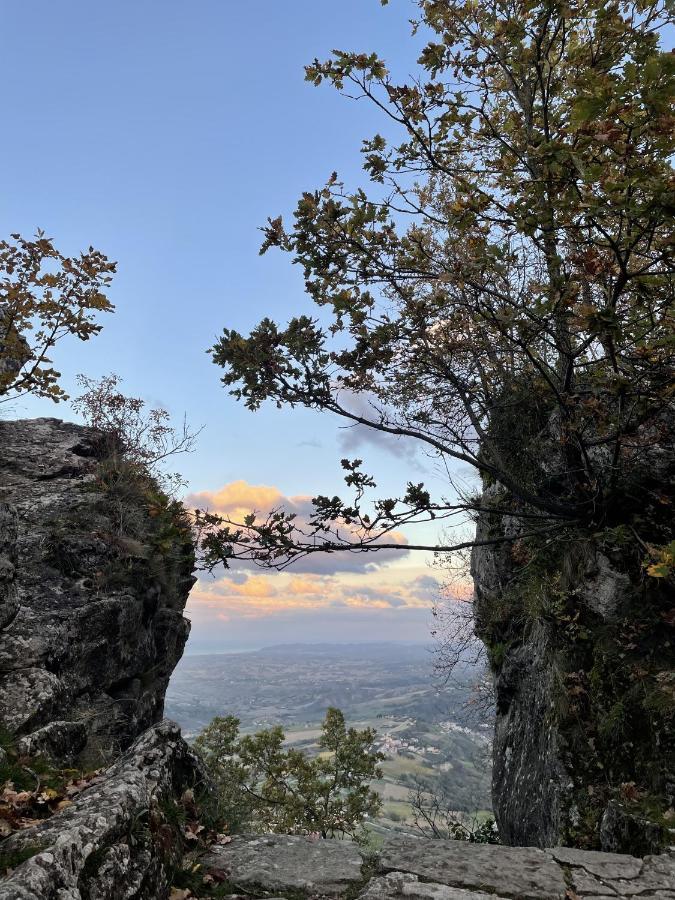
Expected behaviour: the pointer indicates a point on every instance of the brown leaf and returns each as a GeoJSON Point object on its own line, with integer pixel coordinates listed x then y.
{"type": "Point", "coordinates": [629, 791]}
{"type": "Point", "coordinates": [223, 839]}
{"type": "Point", "coordinates": [218, 875]}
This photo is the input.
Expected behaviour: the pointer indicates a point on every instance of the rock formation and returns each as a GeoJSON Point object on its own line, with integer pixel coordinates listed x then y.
{"type": "Point", "coordinates": [102, 848]}
{"type": "Point", "coordinates": [116, 840]}
{"type": "Point", "coordinates": [95, 570]}
{"type": "Point", "coordinates": [580, 641]}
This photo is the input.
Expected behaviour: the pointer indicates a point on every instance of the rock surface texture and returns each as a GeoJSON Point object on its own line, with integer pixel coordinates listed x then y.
{"type": "Point", "coordinates": [95, 571]}
{"type": "Point", "coordinates": [528, 774]}
{"type": "Point", "coordinates": [279, 862]}
{"type": "Point", "coordinates": [114, 841]}
{"type": "Point", "coordinates": [580, 642]}
{"type": "Point", "coordinates": [424, 869]}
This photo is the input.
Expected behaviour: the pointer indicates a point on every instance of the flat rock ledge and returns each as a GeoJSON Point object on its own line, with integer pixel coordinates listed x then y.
{"type": "Point", "coordinates": [424, 869]}
{"type": "Point", "coordinates": [282, 863]}
{"type": "Point", "coordinates": [117, 842]}
{"type": "Point", "coordinates": [112, 843]}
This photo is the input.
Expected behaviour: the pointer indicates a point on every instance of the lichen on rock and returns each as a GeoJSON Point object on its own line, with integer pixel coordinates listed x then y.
{"type": "Point", "coordinates": [95, 569]}
{"type": "Point", "coordinates": [115, 840]}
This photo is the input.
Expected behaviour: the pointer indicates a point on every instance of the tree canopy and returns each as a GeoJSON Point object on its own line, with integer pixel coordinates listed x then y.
{"type": "Point", "coordinates": [263, 784]}
{"type": "Point", "coordinates": [503, 293]}
{"type": "Point", "coordinates": [45, 296]}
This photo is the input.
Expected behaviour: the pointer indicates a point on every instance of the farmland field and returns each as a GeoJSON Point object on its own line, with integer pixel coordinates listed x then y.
{"type": "Point", "coordinates": [423, 729]}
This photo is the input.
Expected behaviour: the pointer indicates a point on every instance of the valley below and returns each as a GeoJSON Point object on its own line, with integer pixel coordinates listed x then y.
{"type": "Point", "coordinates": [431, 733]}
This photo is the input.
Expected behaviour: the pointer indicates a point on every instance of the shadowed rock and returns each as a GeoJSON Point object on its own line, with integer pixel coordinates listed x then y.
{"type": "Point", "coordinates": [92, 591]}
{"type": "Point", "coordinates": [113, 841]}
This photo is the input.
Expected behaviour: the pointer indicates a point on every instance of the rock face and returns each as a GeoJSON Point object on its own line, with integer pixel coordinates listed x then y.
{"type": "Point", "coordinates": [424, 869]}
{"type": "Point", "coordinates": [95, 570]}
{"type": "Point", "coordinates": [115, 841]}
{"type": "Point", "coordinates": [528, 775]}
{"type": "Point", "coordinates": [581, 646]}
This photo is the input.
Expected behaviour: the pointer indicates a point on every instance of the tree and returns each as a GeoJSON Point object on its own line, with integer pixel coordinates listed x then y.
{"type": "Point", "coordinates": [144, 437]}
{"type": "Point", "coordinates": [435, 815]}
{"type": "Point", "coordinates": [263, 784]}
{"type": "Point", "coordinates": [504, 293]}
{"type": "Point", "coordinates": [45, 296]}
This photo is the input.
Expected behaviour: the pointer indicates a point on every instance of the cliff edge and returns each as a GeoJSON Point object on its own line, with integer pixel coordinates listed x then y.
{"type": "Point", "coordinates": [95, 570]}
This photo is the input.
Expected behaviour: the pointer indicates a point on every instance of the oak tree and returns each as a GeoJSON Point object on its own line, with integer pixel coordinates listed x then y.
{"type": "Point", "coordinates": [263, 784]}
{"type": "Point", "coordinates": [502, 293]}
{"type": "Point", "coordinates": [45, 296]}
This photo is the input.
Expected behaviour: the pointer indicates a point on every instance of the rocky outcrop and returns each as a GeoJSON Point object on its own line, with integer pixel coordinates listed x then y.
{"type": "Point", "coordinates": [116, 840]}
{"type": "Point", "coordinates": [528, 776]}
{"type": "Point", "coordinates": [95, 569]}
{"type": "Point", "coordinates": [580, 644]}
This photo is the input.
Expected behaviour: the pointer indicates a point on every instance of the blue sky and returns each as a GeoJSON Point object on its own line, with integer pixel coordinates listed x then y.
{"type": "Point", "coordinates": [164, 134]}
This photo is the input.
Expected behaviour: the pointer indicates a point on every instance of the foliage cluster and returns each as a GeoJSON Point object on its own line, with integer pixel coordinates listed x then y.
{"type": "Point", "coordinates": [271, 788]}
{"type": "Point", "coordinates": [146, 532]}
{"type": "Point", "coordinates": [45, 296]}
{"type": "Point", "coordinates": [503, 293]}
{"type": "Point", "coordinates": [144, 438]}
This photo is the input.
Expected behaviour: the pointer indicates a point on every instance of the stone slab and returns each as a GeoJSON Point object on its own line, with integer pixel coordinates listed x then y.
{"type": "Point", "coordinates": [282, 862]}
{"type": "Point", "coordinates": [404, 886]}
{"type": "Point", "coordinates": [523, 872]}
{"type": "Point", "coordinates": [594, 874]}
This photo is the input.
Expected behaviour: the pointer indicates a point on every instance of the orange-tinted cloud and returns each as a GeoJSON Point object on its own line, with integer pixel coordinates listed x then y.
{"type": "Point", "coordinates": [277, 593]}
{"type": "Point", "coordinates": [239, 498]}
{"type": "Point", "coordinates": [261, 608]}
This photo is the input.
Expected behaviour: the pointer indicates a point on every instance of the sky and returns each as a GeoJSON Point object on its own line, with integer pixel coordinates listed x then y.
{"type": "Point", "coordinates": [164, 134]}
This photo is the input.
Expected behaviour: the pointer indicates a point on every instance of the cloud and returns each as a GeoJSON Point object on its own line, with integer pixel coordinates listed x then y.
{"type": "Point", "coordinates": [239, 498]}
{"type": "Point", "coordinates": [388, 595]}
{"type": "Point", "coordinates": [249, 609]}
{"type": "Point", "coordinates": [426, 587]}
{"type": "Point", "coordinates": [334, 624]}
{"type": "Point", "coordinates": [257, 586]}
{"type": "Point", "coordinates": [352, 437]}
{"type": "Point", "coordinates": [277, 593]}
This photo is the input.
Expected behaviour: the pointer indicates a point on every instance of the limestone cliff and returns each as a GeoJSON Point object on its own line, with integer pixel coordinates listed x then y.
{"type": "Point", "coordinates": [95, 569]}
{"type": "Point", "coordinates": [580, 641]}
